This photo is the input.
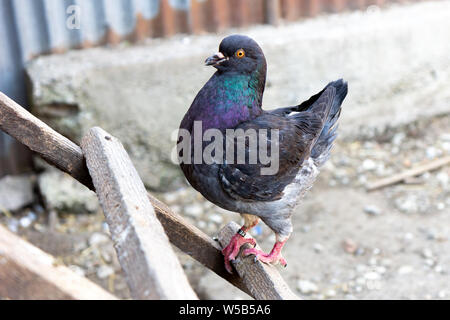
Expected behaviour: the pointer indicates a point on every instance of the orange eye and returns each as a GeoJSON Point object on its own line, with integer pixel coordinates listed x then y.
{"type": "Point", "coordinates": [240, 53]}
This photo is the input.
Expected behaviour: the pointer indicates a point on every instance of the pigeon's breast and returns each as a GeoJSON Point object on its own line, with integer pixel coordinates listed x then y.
{"type": "Point", "coordinates": [225, 102]}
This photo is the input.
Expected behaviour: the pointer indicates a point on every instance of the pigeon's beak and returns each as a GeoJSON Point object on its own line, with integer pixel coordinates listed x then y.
{"type": "Point", "coordinates": [216, 59]}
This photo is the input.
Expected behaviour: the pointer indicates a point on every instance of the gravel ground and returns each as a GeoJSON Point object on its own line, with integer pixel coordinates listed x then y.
{"type": "Point", "coordinates": [347, 243]}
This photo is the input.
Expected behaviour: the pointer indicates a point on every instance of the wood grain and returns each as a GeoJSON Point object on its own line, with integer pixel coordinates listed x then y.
{"type": "Point", "coordinates": [27, 273]}
{"type": "Point", "coordinates": [151, 268]}
{"type": "Point", "coordinates": [40, 138]}
{"type": "Point", "coordinates": [263, 280]}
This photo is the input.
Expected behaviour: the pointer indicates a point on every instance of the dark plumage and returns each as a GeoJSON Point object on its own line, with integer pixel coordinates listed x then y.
{"type": "Point", "coordinates": [232, 99]}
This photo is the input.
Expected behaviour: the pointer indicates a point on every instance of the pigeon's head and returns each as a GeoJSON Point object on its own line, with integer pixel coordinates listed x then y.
{"type": "Point", "coordinates": [238, 53]}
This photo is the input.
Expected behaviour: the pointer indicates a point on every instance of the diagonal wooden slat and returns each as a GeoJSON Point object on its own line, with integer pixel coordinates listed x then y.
{"type": "Point", "coordinates": [28, 273]}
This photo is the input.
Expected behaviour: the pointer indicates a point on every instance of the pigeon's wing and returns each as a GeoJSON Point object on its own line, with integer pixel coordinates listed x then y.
{"type": "Point", "coordinates": [249, 182]}
{"type": "Point", "coordinates": [304, 106]}
{"type": "Point", "coordinates": [297, 134]}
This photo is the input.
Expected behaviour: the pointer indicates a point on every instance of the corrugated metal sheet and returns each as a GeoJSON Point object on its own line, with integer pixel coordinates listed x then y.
{"type": "Point", "coordinates": [32, 27]}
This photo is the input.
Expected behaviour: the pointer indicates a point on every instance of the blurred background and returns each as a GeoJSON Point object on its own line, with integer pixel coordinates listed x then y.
{"type": "Point", "coordinates": [134, 66]}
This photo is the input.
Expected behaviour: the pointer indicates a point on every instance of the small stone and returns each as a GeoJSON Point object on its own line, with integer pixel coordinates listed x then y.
{"type": "Point", "coordinates": [305, 228]}
{"type": "Point", "coordinates": [307, 287]}
{"type": "Point", "coordinates": [429, 262]}
{"type": "Point", "coordinates": [398, 138]}
{"type": "Point", "coordinates": [359, 252]}
{"type": "Point", "coordinates": [193, 210]}
{"type": "Point", "coordinates": [64, 194]}
{"type": "Point", "coordinates": [381, 269]}
{"type": "Point", "coordinates": [439, 269]}
{"type": "Point", "coordinates": [16, 192]}
{"type": "Point", "coordinates": [372, 275]}
{"type": "Point", "coordinates": [104, 271]}
{"type": "Point", "coordinates": [170, 197]}
{"type": "Point", "coordinates": [373, 285]}
{"type": "Point", "coordinates": [386, 262]}
{"type": "Point", "coordinates": [216, 218]}
{"type": "Point", "coordinates": [318, 248]}
{"type": "Point", "coordinates": [432, 152]}
{"type": "Point", "coordinates": [13, 225]}
{"type": "Point", "coordinates": [427, 253]}
{"type": "Point", "coordinates": [106, 256]}
{"type": "Point", "coordinates": [105, 228]}
{"type": "Point", "coordinates": [405, 269]}
{"type": "Point", "coordinates": [79, 271]}
{"type": "Point", "coordinates": [201, 224]}
{"type": "Point", "coordinates": [372, 210]}
{"type": "Point", "coordinates": [408, 236]}
{"type": "Point", "coordinates": [330, 293]}
{"type": "Point", "coordinates": [98, 239]}
{"type": "Point", "coordinates": [440, 206]}
{"type": "Point", "coordinates": [413, 203]}
{"type": "Point", "coordinates": [446, 146]}
{"type": "Point", "coordinates": [362, 179]}
{"type": "Point", "coordinates": [442, 294]}
{"type": "Point", "coordinates": [79, 245]}
{"type": "Point", "coordinates": [349, 246]}
{"type": "Point", "coordinates": [369, 165]}
{"type": "Point", "coordinates": [361, 267]}
{"type": "Point", "coordinates": [25, 222]}
{"type": "Point", "coordinates": [443, 179]}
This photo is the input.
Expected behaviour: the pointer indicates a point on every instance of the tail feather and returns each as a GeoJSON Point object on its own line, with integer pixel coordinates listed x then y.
{"type": "Point", "coordinates": [321, 149]}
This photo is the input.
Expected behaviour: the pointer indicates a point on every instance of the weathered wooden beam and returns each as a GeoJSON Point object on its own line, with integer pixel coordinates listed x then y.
{"type": "Point", "coordinates": [263, 280]}
{"type": "Point", "coordinates": [28, 273]}
{"type": "Point", "coordinates": [40, 138]}
{"type": "Point", "coordinates": [151, 268]}
{"type": "Point", "coordinates": [185, 236]}
{"type": "Point", "coordinates": [396, 178]}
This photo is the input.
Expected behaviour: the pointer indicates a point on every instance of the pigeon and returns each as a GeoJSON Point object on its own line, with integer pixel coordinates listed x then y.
{"type": "Point", "coordinates": [302, 136]}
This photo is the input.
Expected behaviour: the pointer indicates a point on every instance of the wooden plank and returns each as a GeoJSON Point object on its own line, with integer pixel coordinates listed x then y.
{"type": "Point", "coordinates": [263, 280]}
{"type": "Point", "coordinates": [430, 166]}
{"type": "Point", "coordinates": [151, 268]}
{"type": "Point", "coordinates": [273, 12]}
{"type": "Point", "coordinates": [290, 9]}
{"type": "Point", "coordinates": [168, 18]}
{"type": "Point", "coordinates": [28, 273]}
{"type": "Point", "coordinates": [196, 17]}
{"type": "Point", "coordinates": [186, 237]}
{"type": "Point", "coordinates": [40, 138]}
{"type": "Point", "coordinates": [220, 11]}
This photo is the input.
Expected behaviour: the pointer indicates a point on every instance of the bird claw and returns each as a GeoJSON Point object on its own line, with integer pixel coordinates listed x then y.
{"type": "Point", "coordinates": [271, 258]}
{"type": "Point", "coordinates": [231, 251]}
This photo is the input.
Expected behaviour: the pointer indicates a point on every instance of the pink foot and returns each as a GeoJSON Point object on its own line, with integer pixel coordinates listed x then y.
{"type": "Point", "coordinates": [273, 257]}
{"type": "Point", "coordinates": [232, 249]}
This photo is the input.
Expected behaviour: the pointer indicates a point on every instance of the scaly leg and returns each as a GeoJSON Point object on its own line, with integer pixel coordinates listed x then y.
{"type": "Point", "coordinates": [274, 256]}
{"type": "Point", "coordinates": [232, 249]}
